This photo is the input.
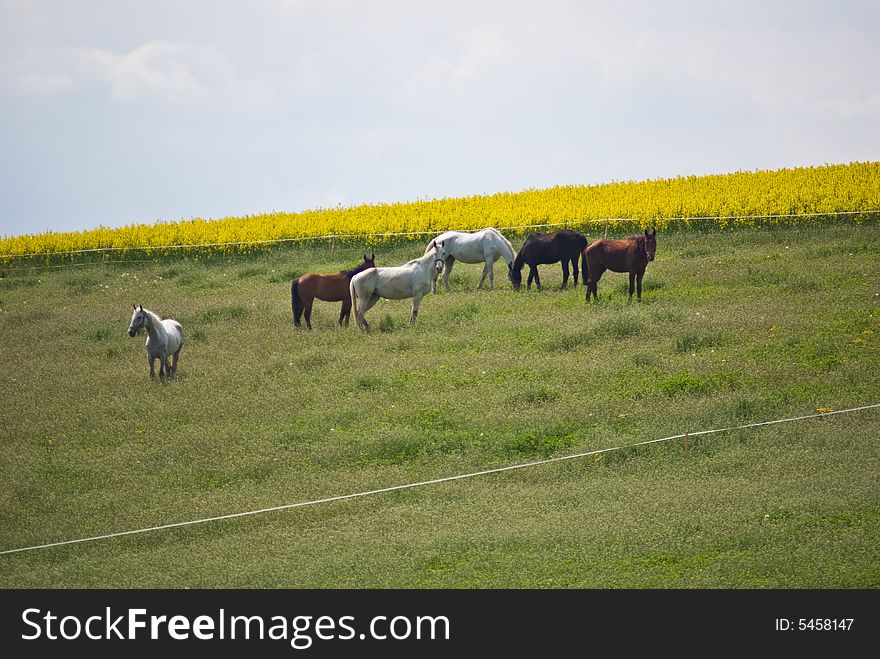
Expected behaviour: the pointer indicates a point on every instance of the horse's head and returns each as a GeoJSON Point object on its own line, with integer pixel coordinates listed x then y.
{"type": "Point", "coordinates": [650, 244]}
{"type": "Point", "coordinates": [369, 261]}
{"type": "Point", "coordinates": [515, 276]}
{"type": "Point", "coordinates": [138, 319]}
{"type": "Point", "coordinates": [439, 256]}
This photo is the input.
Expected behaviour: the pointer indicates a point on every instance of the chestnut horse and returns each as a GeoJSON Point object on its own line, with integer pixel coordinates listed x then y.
{"type": "Point", "coordinates": [329, 288]}
{"type": "Point", "coordinates": [539, 248]}
{"type": "Point", "coordinates": [631, 255]}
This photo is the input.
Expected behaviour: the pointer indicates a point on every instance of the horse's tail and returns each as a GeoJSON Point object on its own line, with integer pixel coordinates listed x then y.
{"type": "Point", "coordinates": [296, 305]}
{"type": "Point", "coordinates": [352, 290]}
{"type": "Point", "coordinates": [585, 272]}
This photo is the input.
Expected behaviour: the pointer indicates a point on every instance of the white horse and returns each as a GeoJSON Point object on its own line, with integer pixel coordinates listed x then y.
{"type": "Point", "coordinates": [487, 245]}
{"type": "Point", "coordinates": [164, 338]}
{"type": "Point", "coordinates": [413, 280]}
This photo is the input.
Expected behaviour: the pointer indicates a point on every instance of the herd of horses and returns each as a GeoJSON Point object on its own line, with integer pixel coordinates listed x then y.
{"type": "Point", "coordinates": [361, 287]}
{"type": "Point", "coordinates": [368, 284]}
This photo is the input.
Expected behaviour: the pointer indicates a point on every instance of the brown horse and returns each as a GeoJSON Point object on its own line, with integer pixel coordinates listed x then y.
{"type": "Point", "coordinates": [631, 255]}
{"type": "Point", "coordinates": [329, 288]}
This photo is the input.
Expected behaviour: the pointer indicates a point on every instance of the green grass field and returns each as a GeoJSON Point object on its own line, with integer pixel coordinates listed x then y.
{"type": "Point", "coordinates": [734, 327]}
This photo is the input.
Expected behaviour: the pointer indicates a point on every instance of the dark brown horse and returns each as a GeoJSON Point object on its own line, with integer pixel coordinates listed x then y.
{"type": "Point", "coordinates": [329, 288]}
{"type": "Point", "coordinates": [542, 248]}
{"type": "Point", "coordinates": [631, 255]}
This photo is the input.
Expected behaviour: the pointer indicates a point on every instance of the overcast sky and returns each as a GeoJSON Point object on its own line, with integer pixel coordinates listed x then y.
{"type": "Point", "coordinates": [121, 111]}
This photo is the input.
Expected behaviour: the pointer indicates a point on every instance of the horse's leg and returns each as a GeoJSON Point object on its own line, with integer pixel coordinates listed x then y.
{"type": "Point", "coordinates": [162, 359]}
{"type": "Point", "coordinates": [174, 359]}
{"type": "Point", "coordinates": [531, 276]}
{"type": "Point", "coordinates": [447, 271]}
{"type": "Point", "coordinates": [417, 299]}
{"type": "Point", "coordinates": [489, 270]}
{"type": "Point", "coordinates": [152, 361]}
{"type": "Point", "coordinates": [365, 306]}
{"type": "Point", "coordinates": [639, 276]}
{"type": "Point", "coordinates": [345, 310]}
{"type": "Point", "coordinates": [537, 279]}
{"type": "Point", "coordinates": [484, 275]}
{"type": "Point", "coordinates": [574, 266]}
{"type": "Point", "coordinates": [308, 312]}
{"type": "Point", "coordinates": [632, 284]}
{"type": "Point", "coordinates": [593, 283]}
{"type": "Point", "coordinates": [564, 273]}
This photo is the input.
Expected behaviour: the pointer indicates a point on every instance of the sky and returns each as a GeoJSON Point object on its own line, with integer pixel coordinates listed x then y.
{"type": "Point", "coordinates": [115, 112]}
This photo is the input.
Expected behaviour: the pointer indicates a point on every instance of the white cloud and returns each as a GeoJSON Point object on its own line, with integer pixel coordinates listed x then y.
{"type": "Point", "coordinates": [462, 82]}
{"type": "Point", "coordinates": [46, 84]}
{"type": "Point", "coordinates": [828, 72]}
{"type": "Point", "coordinates": [165, 70]}
{"type": "Point", "coordinates": [160, 68]}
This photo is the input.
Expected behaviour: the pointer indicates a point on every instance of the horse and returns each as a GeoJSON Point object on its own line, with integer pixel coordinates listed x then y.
{"type": "Point", "coordinates": [485, 246]}
{"type": "Point", "coordinates": [541, 248]}
{"type": "Point", "coordinates": [631, 255]}
{"type": "Point", "coordinates": [329, 288]}
{"type": "Point", "coordinates": [164, 338]}
{"type": "Point", "coordinates": [413, 280]}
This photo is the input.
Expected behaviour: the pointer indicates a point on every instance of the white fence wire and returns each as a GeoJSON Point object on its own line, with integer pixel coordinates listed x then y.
{"type": "Point", "coordinates": [349, 236]}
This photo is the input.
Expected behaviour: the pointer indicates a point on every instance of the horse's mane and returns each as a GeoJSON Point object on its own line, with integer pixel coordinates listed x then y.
{"type": "Point", "coordinates": [351, 272]}
{"type": "Point", "coordinates": [153, 316]}
{"type": "Point", "coordinates": [505, 241]}
{"type": "Point", "coordinates": [422, 257]}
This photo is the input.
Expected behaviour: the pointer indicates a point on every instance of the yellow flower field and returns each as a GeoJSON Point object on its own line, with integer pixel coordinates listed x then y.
{"type": "Point", "coordinates": [730, 199]}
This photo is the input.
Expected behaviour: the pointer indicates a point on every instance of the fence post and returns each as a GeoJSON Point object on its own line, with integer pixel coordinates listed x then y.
{"type": "Point", "coordinates": [103, 258]}
{"type": "Point", "coordinates": [606, 227]}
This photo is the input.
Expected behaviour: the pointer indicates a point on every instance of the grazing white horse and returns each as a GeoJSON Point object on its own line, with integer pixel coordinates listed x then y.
{"type": "Point", "coordinates": [486, 245]}
{"type": "Point", "coordinates": [164, 338]}
{"type": "Point", "coordinates": [413, 280]}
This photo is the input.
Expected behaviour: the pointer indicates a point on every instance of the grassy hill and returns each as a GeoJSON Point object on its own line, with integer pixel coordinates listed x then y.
{"type": "Point", "coordinates": [734, 327]}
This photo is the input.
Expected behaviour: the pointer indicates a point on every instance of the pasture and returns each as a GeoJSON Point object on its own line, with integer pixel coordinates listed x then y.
{"type": "Point", "coordinates": [733, 327]}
